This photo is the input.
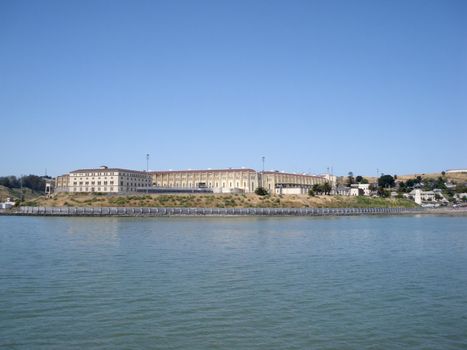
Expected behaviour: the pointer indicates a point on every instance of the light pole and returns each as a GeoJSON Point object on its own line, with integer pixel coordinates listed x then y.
{"type": "Point", "coordinates": [21, 185]}
{"type": "Point", "coordinates": [147, 171]}
{"type": "Point", "coordinates": [263, 158]}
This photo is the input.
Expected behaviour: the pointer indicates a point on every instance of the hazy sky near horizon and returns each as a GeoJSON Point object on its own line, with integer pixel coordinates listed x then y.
{"type": "Point", "coordinates": [356, 85]}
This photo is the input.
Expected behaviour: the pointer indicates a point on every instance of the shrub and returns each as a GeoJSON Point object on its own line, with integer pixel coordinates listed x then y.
{"type": "Point", "coordinates": [261, 191]}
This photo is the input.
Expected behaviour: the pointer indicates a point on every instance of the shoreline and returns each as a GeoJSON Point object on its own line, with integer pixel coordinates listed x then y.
{"type": "Point", "coordinates": [231, 212]}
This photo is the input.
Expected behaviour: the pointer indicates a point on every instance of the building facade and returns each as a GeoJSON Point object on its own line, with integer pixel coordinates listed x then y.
{"type": "Point", "coordinates": [219, 180]}
{"type": "Point", "coordinates": [62, 183]}
{"type": "Point", "coordinates": [289, 183]}
{"type": "Point", "coordinates": [107, 180]}
{"type": "Point", "coordinates": [243, 180]}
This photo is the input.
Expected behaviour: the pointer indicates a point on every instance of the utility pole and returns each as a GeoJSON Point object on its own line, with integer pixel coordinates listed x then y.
{"type": "Point", "coordinates": [21, 185]}
{"type": "Point", "coordinates": [147, 171]}
{"type": "Point", "coordinates": [263, 158]}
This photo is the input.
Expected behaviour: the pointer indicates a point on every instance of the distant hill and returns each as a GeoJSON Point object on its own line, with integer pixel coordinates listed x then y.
{"type": "Point", "coordinates": [452, 177]}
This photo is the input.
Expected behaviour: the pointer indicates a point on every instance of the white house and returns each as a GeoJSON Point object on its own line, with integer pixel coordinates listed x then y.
{"type": "Point", "coordinates": [360, 190]}
{"type": "Point", "coordinates": [420, 196]}
{"type": "Point", "coordinates": [7, 205]}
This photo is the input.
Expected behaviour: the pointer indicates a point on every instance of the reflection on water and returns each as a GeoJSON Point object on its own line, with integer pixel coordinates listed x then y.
{"type": "Point", "coordinates": [222, 283]}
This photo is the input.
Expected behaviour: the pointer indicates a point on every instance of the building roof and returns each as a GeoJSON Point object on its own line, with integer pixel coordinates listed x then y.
{"type": "Point", "coordinates": [282, 173]}
{"type": "Point", "coordinates": [104, 170]}
{"type": "Point", "coordinates": [200, 171]}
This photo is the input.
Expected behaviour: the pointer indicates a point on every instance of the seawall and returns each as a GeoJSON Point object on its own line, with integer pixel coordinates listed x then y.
{"type": "Point", "coordinates": [154, 212]}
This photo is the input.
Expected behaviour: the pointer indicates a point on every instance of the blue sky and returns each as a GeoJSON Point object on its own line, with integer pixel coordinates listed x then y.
{"type": "Point", "coordinates": [356, 85]}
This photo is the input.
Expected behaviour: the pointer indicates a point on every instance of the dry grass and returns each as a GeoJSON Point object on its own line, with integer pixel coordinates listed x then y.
{"type": "Point", "coordinates": [215, 201]}
{"type": "Point", "coordinates": [454, 177]}
{"type": "Point", "coordinates": [15, 193]}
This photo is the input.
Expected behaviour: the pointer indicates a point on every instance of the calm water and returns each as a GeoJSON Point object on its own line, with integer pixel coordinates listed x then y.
{"type": "Point", "coordinates": [238, 283]}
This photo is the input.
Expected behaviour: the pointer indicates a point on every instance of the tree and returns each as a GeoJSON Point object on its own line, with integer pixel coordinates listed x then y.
{"type": "Point", "coordinates": [440, 184]}
{"type": "Point", "coordinates": [382, 192]}
{"type": "Point", "coordinates": [327, 188]}
{"type": "Point", "coordinates": [261, 191]}
{"type": "Point", "coordinates": [350, 178]}
{"type": "Point", "coordinates": [311, 193]}
{"type": "Point", "coordinates": [10, 181]}
{"type": "Point", "coordinates": [386, 181]}
{"type": "Point", "coordinates": [34, 182]}
{"type": "Point", "coordinates": [364, 181]}
{"type": "Point", "coordinates": [317, 188]}
{"type": "Point", "coordinates": [443, 173]}
{"type": "Point", "coordinates": [359, 178]}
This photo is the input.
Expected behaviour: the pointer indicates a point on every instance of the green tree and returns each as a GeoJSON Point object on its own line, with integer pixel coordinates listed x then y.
{"type": "Point", "coordinates": [350, 178]}
{"type": "Point", "coordinates": [261, 191]}
{"type": "Point", "coordinates": [382, 192]}
{"type": "Point", "coordinates": [440, 184]}
{"type": "Point", "coordinates": [386, 181]}
{"type": "Point", "coordinates": [327, 188]}
{"type": "Point", "coordinates": [311, 193]}
{"type": "Point", "coordinates": [410, 183]}
{"type": "Point", "coordinates": [34, 182]}
{"type": "Point", "coordinates": [317, 188]}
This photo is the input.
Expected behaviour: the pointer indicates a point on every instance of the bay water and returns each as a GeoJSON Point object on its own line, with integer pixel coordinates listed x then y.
{"type": "Point", "coordinates": [387, 282]}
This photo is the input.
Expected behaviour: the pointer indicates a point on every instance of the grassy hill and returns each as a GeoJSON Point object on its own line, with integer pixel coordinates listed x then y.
{"type": "Point", "coordinates": [454, 177]}
{"type": "Point", "coordinates": [216, 201]}
{"type": "Point", "coordinates": [15, 193]}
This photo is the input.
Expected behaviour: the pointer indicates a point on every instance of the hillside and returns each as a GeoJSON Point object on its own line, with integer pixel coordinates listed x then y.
{"type": "Point", "coordinates": [454, 178]}
{"type": "Point", "coordinates": [15, 193]}
{"type": "Point", "coordinates": [216, 201]}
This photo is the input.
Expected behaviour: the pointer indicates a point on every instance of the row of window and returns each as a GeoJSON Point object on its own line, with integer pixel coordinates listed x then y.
{"type": "Point", "coordinates": [201, 177]}
{"type": "Point", "coordinates": [75, 183]}
{"type": "Point", "coordinates": [110, 174]}
{"type": "Point", "coordinates": [209, 185]}
{"type": "Point", "coordinates": [94, 174]}
{"type": "Point", "coordinates": [92, 189]}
